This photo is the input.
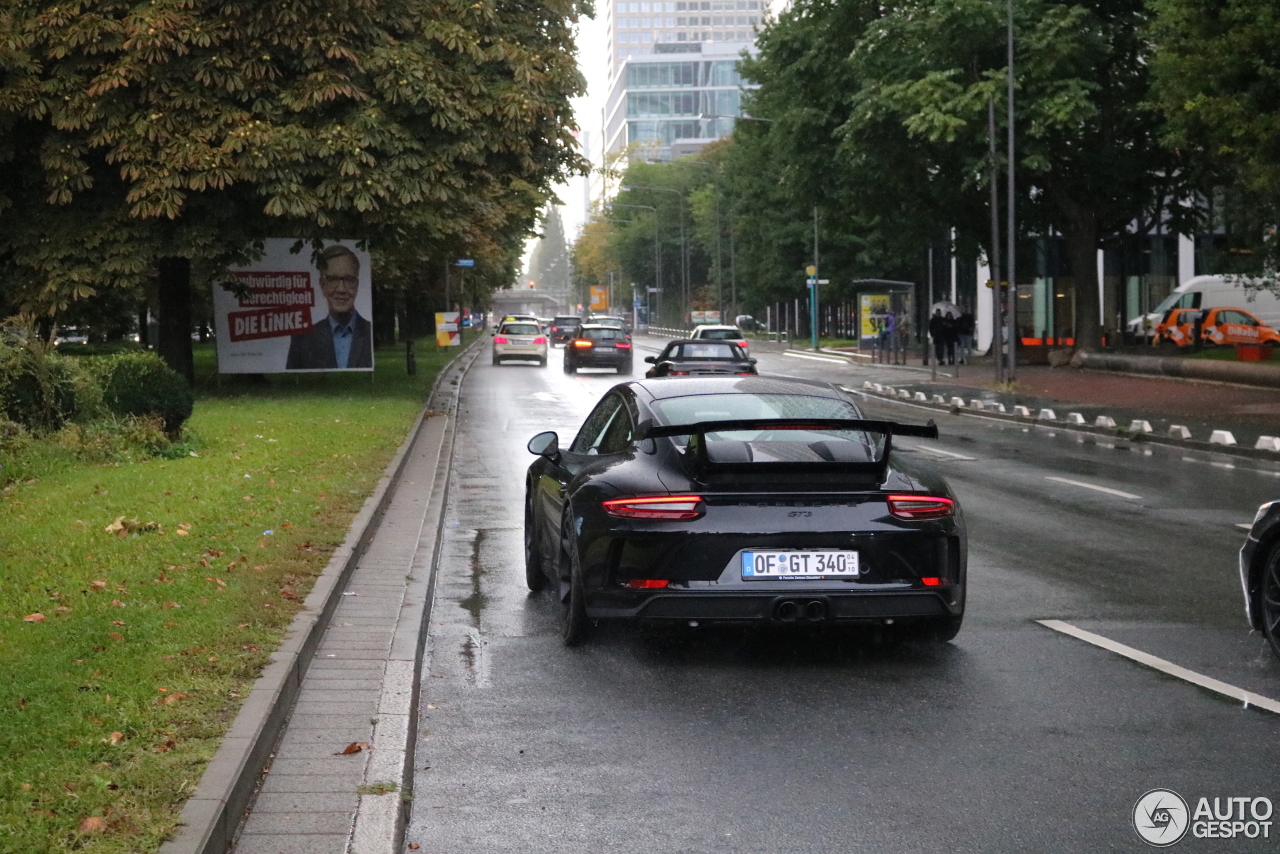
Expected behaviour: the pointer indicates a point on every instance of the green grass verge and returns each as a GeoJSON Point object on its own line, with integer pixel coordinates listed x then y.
{"type": "Point", "coordinates": [117, 695]}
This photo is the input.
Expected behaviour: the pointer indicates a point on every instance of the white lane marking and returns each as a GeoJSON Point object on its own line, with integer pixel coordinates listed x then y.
{"type": "Point", "coordinates": [1105, 489]}
{"type": "Point", "coordinates": [1247, 697]}
{"type": "Point", "coordinates": [929, 449]}
{"type": "Point", "coordinates": [815, 358]}
{"type": "Point", "coordinates": [544, 395]}
{"type": "Point", "coordinates": [1248, 526]}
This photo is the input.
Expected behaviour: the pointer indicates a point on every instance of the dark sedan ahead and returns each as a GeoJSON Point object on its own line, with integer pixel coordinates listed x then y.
{"type": "Point", "coordinates": [690, 357]}
{"type": "Point", "coordinates": [1260, 573]}
{"type": "Point", "coordinates": [753, 500]}
{"type": "Point", "coordinates": [595, 346]}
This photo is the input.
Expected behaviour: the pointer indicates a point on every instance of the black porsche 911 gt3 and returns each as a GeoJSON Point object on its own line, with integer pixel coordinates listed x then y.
{"type": "Point", "coordinates": [742, 499]}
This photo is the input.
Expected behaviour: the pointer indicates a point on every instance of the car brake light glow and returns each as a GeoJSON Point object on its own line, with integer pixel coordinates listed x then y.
{"type": "Point", "coordinates": [539, 340]}
{"type": "Point", "coordinates": [931, 582]}
{"type": "Point", "coordinates": [679, 507]}
{"type": "Point", "coordinates": [623, 345]}
{"type": "Point", "coordinates": [582, 342]}
{"type": "Point", "coordinates": [498, 339]}
{"type": "Point", "coordinates": [916, 507]}
{"type": "Point", "coordinates": [647, 583]}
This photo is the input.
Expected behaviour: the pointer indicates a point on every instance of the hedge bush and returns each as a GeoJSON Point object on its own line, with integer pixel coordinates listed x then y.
{"type": "Point", "coordinates": [42, 391]}
{"type": "Point", "coordinates": [142, 385]}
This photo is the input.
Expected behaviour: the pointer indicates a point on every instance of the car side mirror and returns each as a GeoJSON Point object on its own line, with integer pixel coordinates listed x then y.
{"type": "Point", "coordinates": [653, 360]}
{"type": "Point", "coordinates": [493, 331]}
{"type": "Point", "coordinates": [545, 444]}
{"type": "Point", "coordinates": [752, 361]}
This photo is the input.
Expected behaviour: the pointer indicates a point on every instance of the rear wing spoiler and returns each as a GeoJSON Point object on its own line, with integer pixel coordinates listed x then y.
{"type": "Point", "coordinates": [697, 434]}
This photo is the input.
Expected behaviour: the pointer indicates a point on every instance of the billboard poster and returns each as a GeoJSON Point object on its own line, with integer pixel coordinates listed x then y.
{"type": "Point", "coordinates": [704, 317]}
{"type": "Point", "coordinates": [303, 311]}
{"type": "Point", "coordinates": [447, 332]}
{"type": "Point", "coordinates": [872, 309]}
{"type": "Point", "coordinates": [599, 298]}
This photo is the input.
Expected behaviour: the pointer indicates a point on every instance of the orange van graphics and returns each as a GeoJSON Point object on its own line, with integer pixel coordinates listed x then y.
{"type": "Point", "coordinates": [1226, 327]}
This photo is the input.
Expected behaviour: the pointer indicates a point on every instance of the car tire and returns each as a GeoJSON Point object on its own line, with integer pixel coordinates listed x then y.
{"type": "Point", "coordinates": [534, 577]}
{"type": "Point", "coordinates": [573, 612]}
{"type": "Point", "coordinates": [1269, 597]}
{"type": "Point", "coordinates": [626, 369]}
{"type": "Point", "coordinates": [569, 368]}
{"type": "Point", "coordinates": [542, 363]}
{"type": "Point", "coordinates": [496, 361]}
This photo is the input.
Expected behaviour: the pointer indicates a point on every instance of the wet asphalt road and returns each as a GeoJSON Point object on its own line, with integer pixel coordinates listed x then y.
{"type": "Point", "coordinates": [1012, 738]}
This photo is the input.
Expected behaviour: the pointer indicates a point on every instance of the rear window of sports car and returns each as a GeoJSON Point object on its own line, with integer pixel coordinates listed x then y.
{"type": "Point", "coordinates": [735, 407]}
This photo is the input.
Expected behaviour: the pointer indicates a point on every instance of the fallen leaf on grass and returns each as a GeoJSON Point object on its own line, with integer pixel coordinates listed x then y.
{"type": "Point", "coordinates": [62, 609]}
{"type": "Point", "coordinates": [167, 605]}
{"type": "Point", "coordinates": [93, 824]}
{"type": "Point", "coordinates": [413, 846]}
{"type": "Point", "coordinates": [123, 527]}
{"type": "Point", "coordinates": [353, 747]}
{"type": "Point", "coordinates": [98, 584]}
{"type": "Point", "coordinates": [287, 593]}
{"type": "Point", "coordinates": [114, 738]}
{"type": "Point", "coordinates": [170, 699]}
{"type": "Point", "coordinates": [117, 622]}
{"type": "Point", "coordinates": [180, 532]}
{"type": "Point", "coordinates": [115, 636]}
{"type": "Point", "coordinates": [33, 618]}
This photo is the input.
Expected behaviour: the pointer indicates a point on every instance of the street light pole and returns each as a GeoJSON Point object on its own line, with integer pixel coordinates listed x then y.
{"type": "Point", "coordinates": [657, 256]}
{"type": "Point", "coordinates": [997, 304]}
{"type": "Point", "coordinates": [684, 247]}
{"type": "Point", "coordinates": [1011, 236]}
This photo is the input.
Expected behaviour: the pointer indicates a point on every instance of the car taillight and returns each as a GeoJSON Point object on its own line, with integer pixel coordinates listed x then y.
{"type": "Point", "coordinates": [679, 374]}
{"type": "Point", "coordinates": [583, 343]}
{"type": "Point", "coordinates": [680, 507]}
{"type": "Point", "coordinates": [623, 345]}
{"type": "Point", "coordinates": [498, 339]}
{"type": "Point", "coordinates": [931, 582]}
{"type": "Point", "coordinates": [921, 506]}
{"type": "Point", "coordinates": [539, 340]}
{"type": "Point", "coordinates": [647, 583]}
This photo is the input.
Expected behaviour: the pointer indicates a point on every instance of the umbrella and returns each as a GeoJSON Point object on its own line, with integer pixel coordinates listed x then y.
{"type": "Point", "coordinates": [949, 309]}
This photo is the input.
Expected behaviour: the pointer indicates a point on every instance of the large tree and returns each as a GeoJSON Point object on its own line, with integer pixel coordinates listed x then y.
{"type": "Point", "coordinates": [179, 129]}
{"type": "Point", "coordinates": [1091, 157]}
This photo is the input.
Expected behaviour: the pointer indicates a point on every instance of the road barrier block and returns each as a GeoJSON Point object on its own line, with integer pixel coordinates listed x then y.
{"type": "Point", "coordinates": [922, 397]}
{"type": "Point", "coordinates": [1178, 431]}
{"type": "Point", "coordinates": [1075, 418]}
{"type": "Point", "coordinates": [1222, 437]}
{"type": "Point", "coordinates": [877, 386]}
{"type": "Point", "coordinates": [1104, 421]}
{"type": "Point", "coordinates": [997, 406]}
{"type": "Point", "coordinates": [1267, 443]}
{"type": "Point", "coordinates": [1047, 415]}
{"type": "Point", "coordinates": [937, 398]}
{"type": "Point", "coordinates": [958, 402]}
{"type": "Point", "coordinates": [977, 405]}
{"type": "Point", "coordinates": [904, 394]}
{"type": "Point", "coordinates": [1022, 412]}
{"type": "Point", "coordinates": [1138, 425]}
{"type": "Point", "coordinates": [868, 384]}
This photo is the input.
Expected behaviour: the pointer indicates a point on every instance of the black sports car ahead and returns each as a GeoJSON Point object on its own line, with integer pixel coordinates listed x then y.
{"type": "Point", "coordinates": [690, 357]}
{"type": "Point", "coordinates": [742, 499]}
{"type": "Point", "coordinates": [1260, 573]}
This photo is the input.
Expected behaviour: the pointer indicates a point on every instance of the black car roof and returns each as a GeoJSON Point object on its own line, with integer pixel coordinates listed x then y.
{"type": "Point", "coordinates": [661, 388]}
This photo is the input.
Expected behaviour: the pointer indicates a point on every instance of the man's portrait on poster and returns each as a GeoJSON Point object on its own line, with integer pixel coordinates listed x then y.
{"type": "Point", "coordinates": [341, 339]}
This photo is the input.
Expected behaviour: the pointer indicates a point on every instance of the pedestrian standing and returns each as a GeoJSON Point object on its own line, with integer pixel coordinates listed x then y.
{"type": "Point", "coordinates": [965, 327]}
{"type": "Point", "coordinates": [938, 332]}
{"type": "Point", "coordinates": [949, 337]}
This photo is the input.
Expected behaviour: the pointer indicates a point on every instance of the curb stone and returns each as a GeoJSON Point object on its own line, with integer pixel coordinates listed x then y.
{"type": "Point", "coordinates": [212, 815]}
{"type": "Point", "coordinates": [1121, 433]}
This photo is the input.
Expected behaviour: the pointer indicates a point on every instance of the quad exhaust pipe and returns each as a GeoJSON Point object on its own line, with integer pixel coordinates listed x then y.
{"type": "Point", "coordinates": [800, 610]}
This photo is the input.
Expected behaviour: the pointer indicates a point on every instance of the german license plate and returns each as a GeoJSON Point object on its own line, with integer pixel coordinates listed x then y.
{"type": "Point", "coordinates": [522, 341]}
{"type": "Point", "coordinates": [808, 564]}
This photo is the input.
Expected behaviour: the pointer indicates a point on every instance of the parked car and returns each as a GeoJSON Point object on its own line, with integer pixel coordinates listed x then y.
{"type": "Point", "coordinates": [747, 323]}
{"type": "Point", "coordinates": [712, 332]}
{"type": "Point", "coordinates": [519, 339]}
{"type": "Point", "coordinates": [749, 500]}
{"type": "Point", "coordinates": [683, 358]}
{"type": "Point", "coordinates": [1228, 327]}
{"type": "Point", "coordinates": [1260, 574]}
{"type": "Point", "coordinates": [597, 346]}
{"type": "Point", "coordinates": [1211, 292]}
{"type": "Point", "coordinates": [563, 327]}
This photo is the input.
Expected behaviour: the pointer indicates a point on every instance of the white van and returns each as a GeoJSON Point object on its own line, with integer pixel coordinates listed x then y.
{"type": "Point", "coordinates": [1212, 292]}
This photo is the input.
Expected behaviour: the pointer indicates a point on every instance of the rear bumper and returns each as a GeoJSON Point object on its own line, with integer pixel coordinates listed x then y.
{"type": "Point", "coordinates": [783, 608]}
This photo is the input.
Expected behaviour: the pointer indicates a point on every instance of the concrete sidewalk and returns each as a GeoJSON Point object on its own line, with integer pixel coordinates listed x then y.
{"type": "Point", "coordinates": [320, 757]}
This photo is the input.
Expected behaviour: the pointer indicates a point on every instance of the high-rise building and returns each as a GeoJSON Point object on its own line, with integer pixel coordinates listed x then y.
{"type": "Point", "coordinates": [636, 28]}
{"type": "Point", "coordinates": [677, 98]}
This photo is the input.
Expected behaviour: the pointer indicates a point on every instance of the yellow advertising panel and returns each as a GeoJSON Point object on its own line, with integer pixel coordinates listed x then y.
{"type": "Point", "coordinates": [599, 298]}
{"type": "Point", "coordinates": [872, 309]}
{"type": "Point", "coordinates": [447, 329]}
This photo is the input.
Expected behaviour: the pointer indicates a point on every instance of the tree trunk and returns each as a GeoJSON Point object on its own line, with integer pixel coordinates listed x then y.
{"type": "Point", "coordinates": [1082, 249]}
{"type": "Point", "coordinates": [174, 345]}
